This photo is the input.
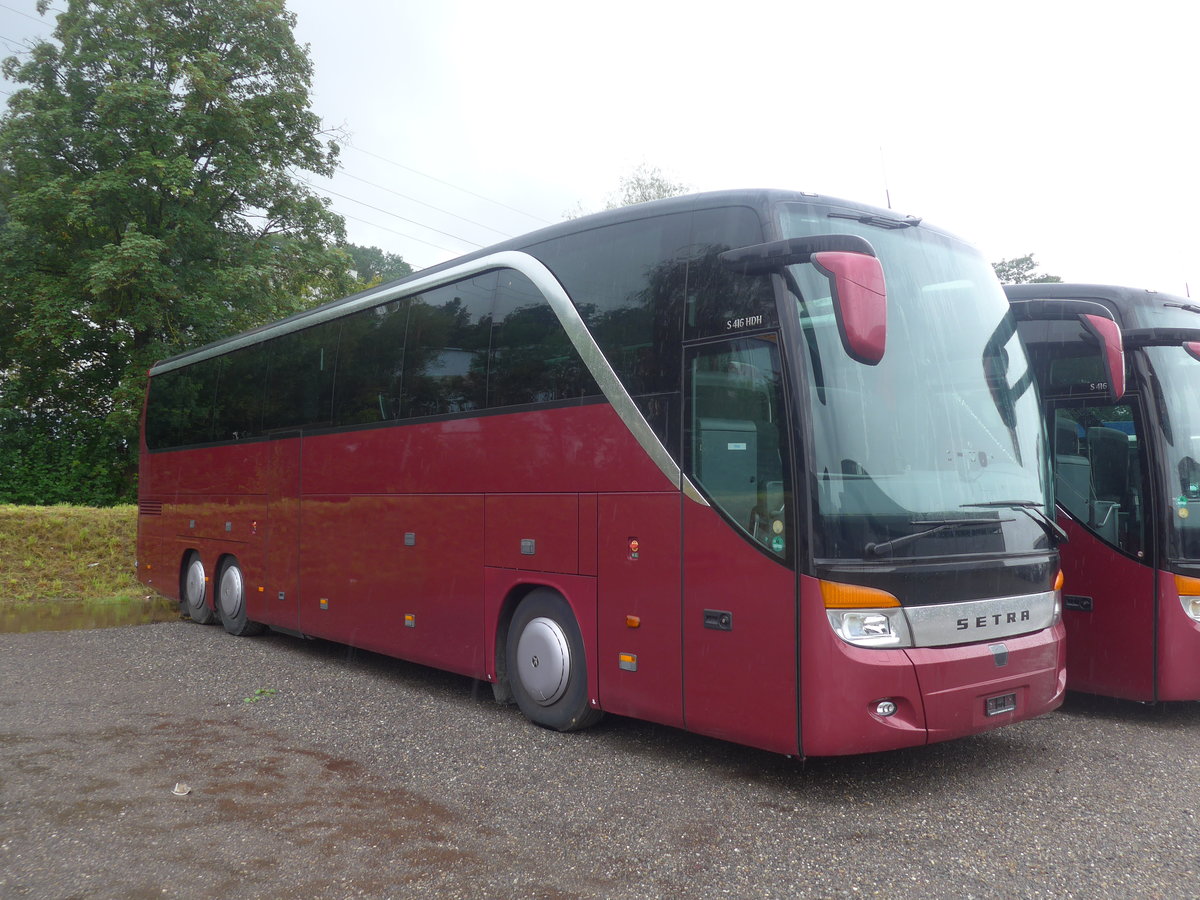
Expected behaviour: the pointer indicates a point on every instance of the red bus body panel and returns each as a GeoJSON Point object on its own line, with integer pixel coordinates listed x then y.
{"type": "Point", "coordinates": [1178, 645]}
{"type": "Point", "coordinates": [739, 684]}
{"type": "Point", "coordinates": [644, 584]}
{"type": "Point", "coordinates": [1111, 645]}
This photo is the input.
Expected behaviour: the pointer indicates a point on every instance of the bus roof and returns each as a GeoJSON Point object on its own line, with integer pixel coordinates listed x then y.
{"type": "Point", "coordinates": [1117, 296]}
{"type": "Point", "coordinates": [759, 199]}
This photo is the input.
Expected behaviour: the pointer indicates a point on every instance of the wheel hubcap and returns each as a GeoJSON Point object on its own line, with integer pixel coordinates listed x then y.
{"type": "Point", "coordinates": [231, 592]}
{"type": "Point", "coordinates": [195, 585]}
{"type": "Point", "coordinates": [544, 660]}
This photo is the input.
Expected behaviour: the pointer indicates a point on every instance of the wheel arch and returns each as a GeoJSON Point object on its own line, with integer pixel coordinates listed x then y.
{"type": "Point", "coordinates": [508, 607]}
{"type": "Point", "coordinates": [509, 589]}
{"type": "Point", "coordinates": [184, 559]}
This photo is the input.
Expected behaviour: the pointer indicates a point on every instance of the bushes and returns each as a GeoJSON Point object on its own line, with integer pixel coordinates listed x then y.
{"type": "Point", "coordinates": [81, 461]}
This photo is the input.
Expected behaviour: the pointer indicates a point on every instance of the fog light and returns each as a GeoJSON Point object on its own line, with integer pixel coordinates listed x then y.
{"type": "Point", "coordinates": [885, 708]}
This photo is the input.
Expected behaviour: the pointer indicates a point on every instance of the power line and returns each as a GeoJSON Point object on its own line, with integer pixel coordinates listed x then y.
{"type": "Point", "coordinates": [387, 212]}
{"type": "Point", "coordinates": [400, 233]}
{"type": "Point", "coordinates": [447, 183]}
{"type": "Point", "coordinates": [423, 203]}
{"type": "Point", "coordinates": [21, 12]}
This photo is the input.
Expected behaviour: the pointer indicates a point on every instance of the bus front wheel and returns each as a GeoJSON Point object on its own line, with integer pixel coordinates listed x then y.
{"type": "Point", "coordinates": [191, 597]}
{"type": "Point", "coordinates": [231, 599]}
{"type": "Point", "coordinates": [547, 667]}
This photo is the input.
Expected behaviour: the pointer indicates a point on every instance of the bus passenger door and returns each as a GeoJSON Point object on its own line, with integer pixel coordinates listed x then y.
{"type": "Point", "coordinates": [739, 588]}
{"type": "Point", "coordinates": [1108, 572]}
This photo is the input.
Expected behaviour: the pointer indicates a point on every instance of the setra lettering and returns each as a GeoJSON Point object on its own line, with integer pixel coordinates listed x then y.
{"type": "Point", "coordinates": [1011, 618]}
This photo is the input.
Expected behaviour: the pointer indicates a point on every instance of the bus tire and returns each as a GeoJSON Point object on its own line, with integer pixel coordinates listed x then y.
{"type": "Point", "coordinates": [546, 663]}
{"type": "Point", "coordinates": [192, 590]}
{"type": "Point", "coordinates": [231, 599]}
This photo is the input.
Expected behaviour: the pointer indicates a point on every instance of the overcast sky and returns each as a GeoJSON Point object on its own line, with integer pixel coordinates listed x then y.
{"type": "Point", "coordinates": [1065, 129]}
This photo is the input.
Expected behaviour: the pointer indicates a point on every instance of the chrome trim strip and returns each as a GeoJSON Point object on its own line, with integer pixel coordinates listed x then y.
{"type": "Point", "coordinates": [597, 363]}
{"type": "Point", "coordinates": [940, 624]}
{"type": "Point", "coordinates": [560, 302]}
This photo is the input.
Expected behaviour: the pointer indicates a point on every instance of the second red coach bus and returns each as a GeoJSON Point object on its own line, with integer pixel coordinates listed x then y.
{"type": "Point", "coordinates": [763, 465]}
{"type": "Point", "coordinates": [1127, 483]}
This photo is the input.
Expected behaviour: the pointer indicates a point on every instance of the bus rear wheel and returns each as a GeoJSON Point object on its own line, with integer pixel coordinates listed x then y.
{"type": "Point", "coordinates": [231, 600]}
{"type": "Point", "coordinates": [547, 666]}
{"type": "Point", "coordinates": [191, 596]}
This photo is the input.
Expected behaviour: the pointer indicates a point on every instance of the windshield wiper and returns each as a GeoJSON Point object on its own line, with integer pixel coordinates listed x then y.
{"type": "Point", "coordinates": [877, 220]}
{"type": "Point", "coordinates": [1189, 307]}
{"type": "Point", "coordinates": [938, 525]}
{"type": "Point", "coordinates": [1031, 508]}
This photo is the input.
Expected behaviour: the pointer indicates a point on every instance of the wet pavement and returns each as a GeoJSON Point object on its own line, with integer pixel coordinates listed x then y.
{"type": "Point", "coordinates": [64, 615]}
{"type": "Point", "coordinates": [312, 770]}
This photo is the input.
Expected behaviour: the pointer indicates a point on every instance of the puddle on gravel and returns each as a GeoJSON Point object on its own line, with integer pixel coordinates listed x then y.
{"type": "Point", "coordinates": [55, 615]}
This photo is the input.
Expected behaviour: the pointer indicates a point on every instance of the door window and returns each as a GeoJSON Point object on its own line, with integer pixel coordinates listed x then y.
{"type": "Point", "coordinates": [1098, 471]}
{"type": "Point", "coordinates": [736, 435]}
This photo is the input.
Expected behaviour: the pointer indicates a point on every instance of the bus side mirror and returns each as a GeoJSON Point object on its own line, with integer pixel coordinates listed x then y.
{"type": "Point", "coordinates": [855, 280]}
{"type": "Point", "coordinates": [1112, 351]}
{"type": "Point", "coordinates": [859, 302]}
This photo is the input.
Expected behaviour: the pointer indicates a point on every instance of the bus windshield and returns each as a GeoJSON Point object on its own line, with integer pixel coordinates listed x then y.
{"type": "Point", "coordinates": [910, 456]}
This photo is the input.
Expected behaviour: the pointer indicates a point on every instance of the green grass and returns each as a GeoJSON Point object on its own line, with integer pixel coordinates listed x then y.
{"type": "Point", "coordinates": [71, 554]}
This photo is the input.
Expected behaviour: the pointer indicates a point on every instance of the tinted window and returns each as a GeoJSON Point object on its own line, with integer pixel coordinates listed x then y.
{"type": "Point", "coordinates": [531, 360]}
{"type": "Point", "coordinates": [628, 282]}
{"type": "Point", "coordinates": [300, 373]}
{"type": "Point", "coordinates": [370, 371]}
{"type": "Point", "coordinates": [181, 406]}
{"type": "Point", "coordinates": [446, 355]}
{"type": "Point", "coordinates": [238, 409]}
{"type": "Point", "coordinates": [632, 283]}
{"type": "Point", "coordinates": [719, 300]}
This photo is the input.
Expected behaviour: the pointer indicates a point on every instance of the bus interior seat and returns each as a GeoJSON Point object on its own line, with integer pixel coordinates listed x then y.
{"type": "Point", "coordinates": [1108, 450]}
{"type": "Point", "coordinates": [1072, 471]}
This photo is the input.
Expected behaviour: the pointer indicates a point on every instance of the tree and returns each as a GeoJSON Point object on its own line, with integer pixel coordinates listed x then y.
{"type": "Point", "coordinates": [147, 174]}
{"type": "Point", "coordinates": [373, 266]}
{"type": "Point", "coordinates": [643, 184]}
{"type": "Point", "coordinates": [1020, 270]}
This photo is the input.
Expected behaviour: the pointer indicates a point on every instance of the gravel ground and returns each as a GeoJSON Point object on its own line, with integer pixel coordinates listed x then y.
{"type": "Point", "coordinates": [367, 777]}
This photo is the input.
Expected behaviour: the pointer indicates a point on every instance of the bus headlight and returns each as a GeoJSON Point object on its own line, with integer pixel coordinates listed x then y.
{"type": "Point", "coordinates": [865, 616]}
{"type": "Point", "coordinates": [1191, 606]}
{"type": "Point", "coordinates": [871, 627]}
{"type": "Point", "coordinates": [1189, 595]}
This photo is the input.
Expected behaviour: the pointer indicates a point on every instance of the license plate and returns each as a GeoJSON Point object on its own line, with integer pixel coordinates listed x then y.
{"type": "Point", "coordinates": [994, 706]}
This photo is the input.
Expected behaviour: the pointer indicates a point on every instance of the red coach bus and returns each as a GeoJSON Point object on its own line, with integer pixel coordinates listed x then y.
{"type": "Point", "coordinates": [1126, 439]}
{"type": "Point", "coordinates": [658, 461]}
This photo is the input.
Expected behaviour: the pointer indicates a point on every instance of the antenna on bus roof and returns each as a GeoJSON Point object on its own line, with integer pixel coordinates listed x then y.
{"type": "Point", "coordinates": [883, 166]}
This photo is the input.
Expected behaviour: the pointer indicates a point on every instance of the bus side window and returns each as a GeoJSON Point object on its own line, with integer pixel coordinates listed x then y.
{"type": "Point", "coordinates": [238, 409]}
{"type": "Point", "coordinates": [531, 359]}
{"type": "Point", "coordinates": [299, 391]}
{"type": "Point", "coordinates": [370, 364]}
{"type": "Point", "coordinates": [445, 359]}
